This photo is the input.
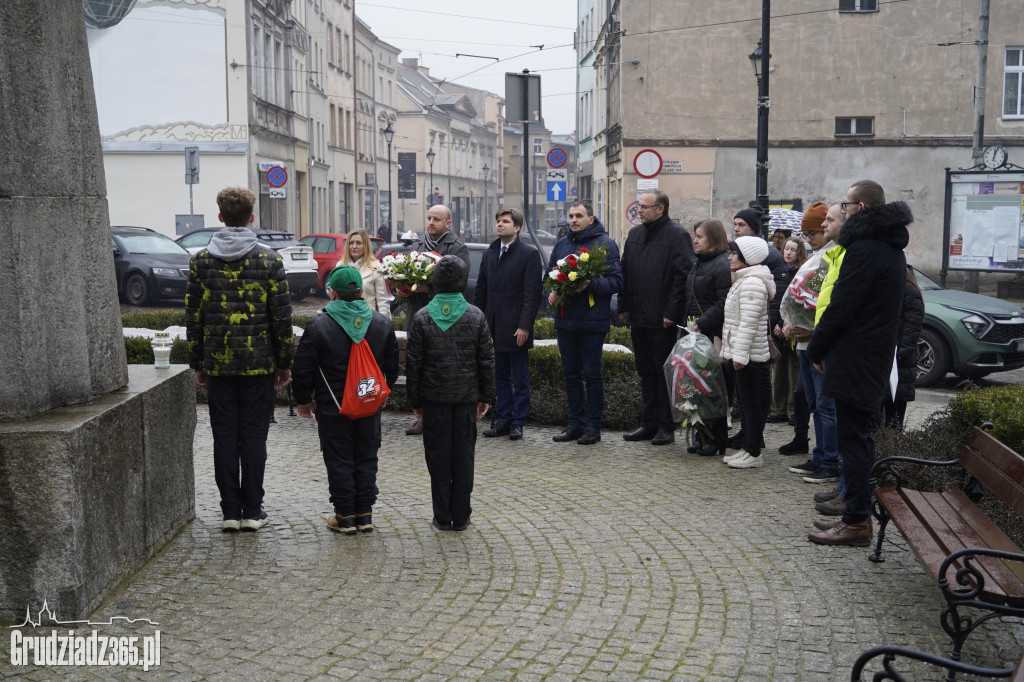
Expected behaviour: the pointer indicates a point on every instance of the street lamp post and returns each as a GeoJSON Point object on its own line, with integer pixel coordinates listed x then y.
{"type": "Point", "coordinates": [487, 214]}
{"type": "Point", "coordinates": [431, 155]}
{"type": "Point", "coordinates": [759, 59]}
{"type": "Point", "coordinates": [389, 135]}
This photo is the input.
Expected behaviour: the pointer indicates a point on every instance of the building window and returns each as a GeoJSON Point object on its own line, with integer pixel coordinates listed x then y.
{"type": "Point", "coordinates": [538, 146]}
{"type": "Point", "coordinates": [858, 5]}
{"type": "Point", "coordinates": [1013, 79]}
{"type": "Point", "coordinates": [855, 125]}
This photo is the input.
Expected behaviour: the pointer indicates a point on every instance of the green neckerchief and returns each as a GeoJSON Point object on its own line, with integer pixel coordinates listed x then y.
{"type": "Point", "coordinates": [353, 316]}
{"type": "Point", "coordinates": [446, 309]}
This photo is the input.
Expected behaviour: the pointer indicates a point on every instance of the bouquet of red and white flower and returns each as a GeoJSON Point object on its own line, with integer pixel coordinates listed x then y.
{"type": "Point", "coordinates": [695, 383]}
{"type": "Point", "coordinates": [410, 269]}
{"type": "Point", "coordinates": [800, 302]}
{"type": "Point", "coordinates": [573, 272]}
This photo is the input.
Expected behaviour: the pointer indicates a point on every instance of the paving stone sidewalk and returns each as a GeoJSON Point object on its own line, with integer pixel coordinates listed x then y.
{"type": "Point", "coordinates": [609, 562]}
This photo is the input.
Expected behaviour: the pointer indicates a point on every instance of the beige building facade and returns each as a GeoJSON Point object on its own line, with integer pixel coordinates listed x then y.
{"type": "Point", "coordinates": [863, 89]}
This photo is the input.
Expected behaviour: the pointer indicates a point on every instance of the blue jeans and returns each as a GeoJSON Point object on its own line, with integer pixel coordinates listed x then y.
{"type": "Point", "coordinates": [512, 403]}
{"type": "Point", "coordinates": [581, 364]}
{"type": "Point", "coordinates": [823, 407]}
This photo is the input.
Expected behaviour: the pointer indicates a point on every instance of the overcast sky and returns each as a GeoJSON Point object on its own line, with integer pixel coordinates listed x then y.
{"type": "Point", "coordinates": [436, 31]}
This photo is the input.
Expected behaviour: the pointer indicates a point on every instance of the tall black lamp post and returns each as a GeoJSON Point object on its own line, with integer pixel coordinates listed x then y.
{"type": "Point", "coordinates": [389, 135]}
{"type": "Point", "coordinates": [486, 169]}
{"type": "Point", "coordinates": [759, 59]}
{"type": "Point", "coordinates": [431, 155]}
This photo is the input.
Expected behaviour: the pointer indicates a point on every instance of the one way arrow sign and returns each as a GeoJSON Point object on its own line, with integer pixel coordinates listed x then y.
{"type": "Point", "coordinates": [556, 191]}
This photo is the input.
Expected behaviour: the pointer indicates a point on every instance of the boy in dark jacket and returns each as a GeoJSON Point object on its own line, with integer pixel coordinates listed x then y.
{"type": "Point", "coordinates": [238, 322]}
{"type": "Point", "coordinates": [450, 380]}
{"type": "Point", "coordinates": [349, 445]}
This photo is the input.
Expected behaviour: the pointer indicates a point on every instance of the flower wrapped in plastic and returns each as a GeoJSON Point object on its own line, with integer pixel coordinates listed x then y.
{"type": "Point", "coordinates": [412, 269]}
{"type": "Point", "coordinates": [800, 302]}
{"type": "Point", "coordinates": [571, 273]}
{"type": "Point", "coordinates": [696, 386]}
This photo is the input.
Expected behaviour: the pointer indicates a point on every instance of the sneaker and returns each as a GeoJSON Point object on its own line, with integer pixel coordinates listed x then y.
{"type": "Point", "coordinates": [739, 454]}
{"type": "Point", "coordinates": [255, 524]}
{"type": "Point", "coordinates": [797, 446]}
{"type": "Point", "coordinates": [343, 524]}
{"type": "Point", "coordinates": [826, 497]}
{"type": "Point", "coordinates": [834, 507]}
{"type": "Point", "coordinates": [805, 469]}
{"type": "Point", "coordinates": [230, 525]}
{"type": "Point", "coordinates": [822, 476]}
{"type": "Point", "coordinates": [747, 462]}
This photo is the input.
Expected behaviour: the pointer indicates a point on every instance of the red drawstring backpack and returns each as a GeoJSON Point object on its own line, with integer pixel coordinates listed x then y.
{"type": "Point", "coordinates": [366, 389]}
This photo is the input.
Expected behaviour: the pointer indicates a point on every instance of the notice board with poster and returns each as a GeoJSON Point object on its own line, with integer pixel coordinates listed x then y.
{"type": "Point", "coordinates": [984, 221]}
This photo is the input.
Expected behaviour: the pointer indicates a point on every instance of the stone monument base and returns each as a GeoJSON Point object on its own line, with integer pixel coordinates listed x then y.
{"type": "Point", "coordinates": [89, 492]}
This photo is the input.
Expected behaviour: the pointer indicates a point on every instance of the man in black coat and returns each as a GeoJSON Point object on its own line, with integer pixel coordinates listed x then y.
{"type": "Point", "coordinates": [656, 261]}
{"type": "Point", "coordinates": [855, 340]}
{"type": "Point", "coordinates": [508, 291]}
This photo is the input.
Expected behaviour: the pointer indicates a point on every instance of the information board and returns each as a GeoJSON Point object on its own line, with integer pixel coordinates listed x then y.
{"type": "Point", "coordinates": [984, 221]}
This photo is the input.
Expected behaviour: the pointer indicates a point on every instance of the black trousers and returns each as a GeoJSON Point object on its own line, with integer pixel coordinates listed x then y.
{"type": "Point", "coordinates": [854, 425]}
{"type": "Point", "coordinates": [241, 408]}
{"type": "Point", "coordinates": [754, 389]}
{"type": "Point", "coordinates": [801, 412]}
{"type": "Point", "coordinates": [651, 347]}
{"type": "Point", "coordinates": [350, 454]}
{"type": "Point", "coordinates": [449, 445]}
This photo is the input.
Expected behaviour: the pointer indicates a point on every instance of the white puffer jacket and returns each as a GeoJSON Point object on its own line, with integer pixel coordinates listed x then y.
{"type": "Point", "coordinates": [745, 331]}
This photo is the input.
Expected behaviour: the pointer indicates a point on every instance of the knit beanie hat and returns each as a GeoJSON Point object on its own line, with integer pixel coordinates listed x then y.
{"type": "Point", "coordinates": [814, 216]}
{"type": "Point", "coordinates": [752, 249]}
{"type": "Point", "coordinates": [752, 217]}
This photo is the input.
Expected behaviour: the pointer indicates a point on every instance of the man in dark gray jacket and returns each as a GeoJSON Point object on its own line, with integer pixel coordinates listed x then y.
{"type": "Point", "coordinates": [450, 380]}
{"type": "Point", "coordinates": [440, 239]}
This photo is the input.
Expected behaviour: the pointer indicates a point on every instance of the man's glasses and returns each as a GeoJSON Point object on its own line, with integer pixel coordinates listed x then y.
{"type": "Point", "coordinates": [642, 207]}
{"type": "Point", "coordinates": [844, 204]}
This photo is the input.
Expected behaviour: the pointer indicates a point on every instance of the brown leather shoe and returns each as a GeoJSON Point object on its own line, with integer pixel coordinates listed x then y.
{"type": "Point", "coordinates": [853, 535]}
{"type": "Point", "coordinates": [416, 429]}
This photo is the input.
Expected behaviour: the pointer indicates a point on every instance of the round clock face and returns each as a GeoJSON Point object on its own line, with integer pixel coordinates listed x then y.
{"type": "Point", "coordinates": [994, 156]}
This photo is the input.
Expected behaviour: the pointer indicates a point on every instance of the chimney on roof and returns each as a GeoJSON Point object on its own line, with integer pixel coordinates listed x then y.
{"type": "Point", "coordinates": [414, 63]}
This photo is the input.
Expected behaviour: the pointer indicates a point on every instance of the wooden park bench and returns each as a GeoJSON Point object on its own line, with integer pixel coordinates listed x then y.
{"type": "Point", "coordinates": [975, 565]}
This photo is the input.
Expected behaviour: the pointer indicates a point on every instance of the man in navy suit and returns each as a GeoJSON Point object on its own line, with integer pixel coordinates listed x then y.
{"type": "Point", "coordinates": [508, 291]}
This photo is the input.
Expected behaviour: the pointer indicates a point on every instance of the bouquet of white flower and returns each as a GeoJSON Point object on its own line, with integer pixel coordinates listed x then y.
{"type": "Point", "coordinates": [410, 269]}
{"type": "Point", "coordinates": [800, 302]}
{"type": "Point", "coordinates": [695, 383]}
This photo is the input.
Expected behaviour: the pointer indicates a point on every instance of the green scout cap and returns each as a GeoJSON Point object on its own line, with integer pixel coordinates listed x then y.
{"type": "Point", "coordinates": [345, 279]}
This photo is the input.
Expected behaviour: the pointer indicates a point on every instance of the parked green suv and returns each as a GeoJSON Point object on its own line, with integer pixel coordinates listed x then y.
{"type": "Point", "coordinates": [968, 334]}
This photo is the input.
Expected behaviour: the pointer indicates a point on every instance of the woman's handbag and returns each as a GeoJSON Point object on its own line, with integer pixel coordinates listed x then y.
{"type": "Point", "coordinates": [773, 350]}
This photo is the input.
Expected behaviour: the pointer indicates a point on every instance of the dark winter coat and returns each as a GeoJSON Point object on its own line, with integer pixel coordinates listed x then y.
{"type": "Point", "coordinates": [706, 288]}
{"type": "Point", "coordinates": [509, 292]}
{"type": "Point", "coordinates": [777, 264]}
{"type": "Point", "coordinates": [911, 321]}
{"type": "Point", "coordinates": [656, 260]}
{"type": "Point", "coordinates": [578, 314]}
{"type": "Point", "coordinates": [450, 367]}
{"type": "Point", "coordinates": [238, 314]}
{"type": "Point", "coordinates": [448, 245]}
{"type": "Point", "coordinates": [857, 334]}
{"type": "Point", "coordinates": [325, 345]}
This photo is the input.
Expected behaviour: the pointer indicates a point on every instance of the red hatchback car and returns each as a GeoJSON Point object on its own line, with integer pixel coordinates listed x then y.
{"type": "Point", "coordinates": [327, 250]}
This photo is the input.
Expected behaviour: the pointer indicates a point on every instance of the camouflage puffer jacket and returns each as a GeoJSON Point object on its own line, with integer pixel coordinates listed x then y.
{"type": "Point", "coordinates": [238, 314]}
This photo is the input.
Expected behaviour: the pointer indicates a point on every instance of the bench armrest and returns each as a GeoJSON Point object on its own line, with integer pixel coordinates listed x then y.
{"type": "Point", "coordinates": [891, 652]}
{"type": "Point", "coordinates": [884, 471]}
{"type": "Point", "coordinates": [970, 579]}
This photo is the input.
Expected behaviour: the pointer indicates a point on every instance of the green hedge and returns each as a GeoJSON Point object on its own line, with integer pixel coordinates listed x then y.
{"type": "Point", "coordinates": [1003, 406]}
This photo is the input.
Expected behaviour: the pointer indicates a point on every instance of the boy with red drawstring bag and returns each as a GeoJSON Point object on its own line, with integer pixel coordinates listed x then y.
{"type": "Point", "coordinates": [350, 351]}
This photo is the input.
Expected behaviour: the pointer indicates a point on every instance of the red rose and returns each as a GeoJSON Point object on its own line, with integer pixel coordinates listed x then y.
{"type": "Point", "coordinates": [584, 249]}
{"type": "Point", "coordinates": [571, 260]}
{"type": "Point", "coordinates": [562, 277]}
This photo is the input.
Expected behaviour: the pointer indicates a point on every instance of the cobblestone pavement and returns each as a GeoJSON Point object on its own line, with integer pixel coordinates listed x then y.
{"type": "Point", "coordinates": [609, 562]}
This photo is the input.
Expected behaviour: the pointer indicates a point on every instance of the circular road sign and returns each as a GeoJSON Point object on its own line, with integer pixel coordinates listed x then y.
{"type": "Point", "coordinates": [633, 214]}
{"type": "Point", "coordinates": [556, 157]}
{"type": "Point", "coordinates": [277, 176]}
{"type": "Point", "coordinates": [647, 163]}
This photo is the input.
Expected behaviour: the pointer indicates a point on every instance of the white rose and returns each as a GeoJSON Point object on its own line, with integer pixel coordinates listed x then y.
{"type": "Point", "coordinates": [553, 274]}
{"type": "Point", "coordinates": [561, 262]}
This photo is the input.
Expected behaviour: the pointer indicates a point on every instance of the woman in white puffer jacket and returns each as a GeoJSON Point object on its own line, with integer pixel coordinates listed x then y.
{"type": "Point", "coordinates": [745, 343]}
